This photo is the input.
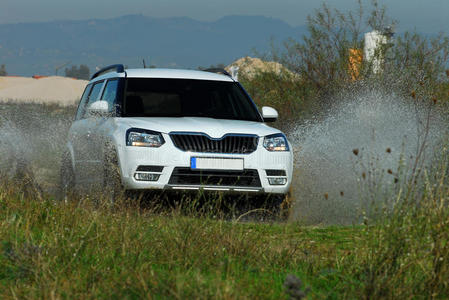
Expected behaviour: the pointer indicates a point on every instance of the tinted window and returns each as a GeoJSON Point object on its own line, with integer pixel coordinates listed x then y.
{"type": "Point", "coordinates": [94, 93]}
{"type": "Point", "coordinates": [93, 96]}
{"type": "Point", "coordinates": [110, 93]}
{"type": "Point", "coordinates": [153, 97]}
{"type": "Point", "coordinates": [81, 106]}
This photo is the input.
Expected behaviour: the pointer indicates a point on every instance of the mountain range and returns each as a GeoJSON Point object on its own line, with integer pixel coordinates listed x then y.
{"type": "Point", "coordinates": [39, 48]}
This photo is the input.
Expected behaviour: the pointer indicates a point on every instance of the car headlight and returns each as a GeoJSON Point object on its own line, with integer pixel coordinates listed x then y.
{"type": "Point", "coordinates": [276, 142]}
{"type": "Point", "coordinates": [144, 138]}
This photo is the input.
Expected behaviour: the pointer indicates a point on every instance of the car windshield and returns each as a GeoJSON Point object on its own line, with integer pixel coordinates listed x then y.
{"type": "Point", "coordinates": [155, 97]}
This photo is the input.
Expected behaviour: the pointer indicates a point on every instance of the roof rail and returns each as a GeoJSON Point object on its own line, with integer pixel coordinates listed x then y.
{"type": "Point", "coordinates": [218, 71]}
{"type": "Point", "coordinates": [118, 68]}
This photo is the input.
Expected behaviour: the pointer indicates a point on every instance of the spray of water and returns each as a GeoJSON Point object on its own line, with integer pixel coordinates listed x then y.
{"type": "Point", "coordinates": [14, 150]}
{"type": "Point", "coordinates": [32, 137]}
{"type": "Point", "coordinates": [357, 145]}
{"type": "Point", "coordinates": [328, 185]}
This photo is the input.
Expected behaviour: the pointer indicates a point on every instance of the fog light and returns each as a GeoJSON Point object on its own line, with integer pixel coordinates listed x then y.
{"type": "Point", "coordinates": [146, 176]}
{"type": "Point", "coordinates": [277, 180]}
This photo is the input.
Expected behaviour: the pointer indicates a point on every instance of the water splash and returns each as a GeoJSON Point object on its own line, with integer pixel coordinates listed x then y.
{"type": "Point", "coordinates": [326, 186]}
{"type": "Point", "coordinates": [32, 137]}
{"type": "Point", "coordinates": [14, 149]}
{"type": "Point", "coordinates": [380, 127]}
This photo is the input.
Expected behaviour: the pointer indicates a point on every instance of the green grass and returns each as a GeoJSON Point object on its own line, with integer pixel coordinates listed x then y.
{"type": "Point", "coordinates": [56, 250]}
{"type": "Point", "coordinates": [76, 251]}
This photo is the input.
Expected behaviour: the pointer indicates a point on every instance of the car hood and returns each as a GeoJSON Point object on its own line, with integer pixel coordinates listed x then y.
{"type": "Point", "coordinates": [215, 128]}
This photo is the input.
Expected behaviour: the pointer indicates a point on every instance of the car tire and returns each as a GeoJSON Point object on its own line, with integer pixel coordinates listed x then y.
{"type": "Point", "coordinates": [112, 179]}
{"type": "Point", "coordinates": [279, 205]}
{"type": "Point", "coordinates": [67, 179]}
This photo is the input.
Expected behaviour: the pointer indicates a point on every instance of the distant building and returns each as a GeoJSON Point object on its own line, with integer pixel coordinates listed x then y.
{"type": "Point", "coordinates": [375, 43]}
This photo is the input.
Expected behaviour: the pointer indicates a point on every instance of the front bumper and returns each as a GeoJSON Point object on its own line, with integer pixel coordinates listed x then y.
{"type": "Point", "coordinates": [172, 160]}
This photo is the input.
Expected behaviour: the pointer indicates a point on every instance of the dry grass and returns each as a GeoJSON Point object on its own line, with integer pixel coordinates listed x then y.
{"type": "Point", "coordinates": [77, 250]}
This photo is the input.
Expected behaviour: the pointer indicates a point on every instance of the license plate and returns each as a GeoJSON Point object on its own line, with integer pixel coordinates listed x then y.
{"type": "Point", "coordinates": [213, 163]}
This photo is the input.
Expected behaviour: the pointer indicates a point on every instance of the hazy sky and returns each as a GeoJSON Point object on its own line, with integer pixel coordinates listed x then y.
{"type": "Point", "coordinates": [424, 15]}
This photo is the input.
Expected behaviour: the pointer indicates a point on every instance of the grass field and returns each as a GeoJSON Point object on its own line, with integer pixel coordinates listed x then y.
{"type": "Point", "coordinates": [75, 251]}
{"type": "Point", "coordinates": [55, 250]}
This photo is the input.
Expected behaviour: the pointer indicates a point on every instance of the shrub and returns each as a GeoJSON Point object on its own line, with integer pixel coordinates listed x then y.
{"type": "Point", "coordinates": [412, 62]}
{"type": "Point", "coordinates": [81, 72]}
{"type": "Point", "coordinates": [3, 71]}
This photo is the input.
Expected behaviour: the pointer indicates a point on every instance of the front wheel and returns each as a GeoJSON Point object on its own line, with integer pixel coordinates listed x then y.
{"type": "Point", "coordinates": [267, 207]}
{"type": "Point", "coordinates": [67, 179]}
{"type": "Point", "coordinates": [112, 178]}
{"type": "Point", "coordinates": [280, 206]}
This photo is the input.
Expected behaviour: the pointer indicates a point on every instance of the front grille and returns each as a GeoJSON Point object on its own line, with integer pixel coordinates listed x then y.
{"type": "Point", "coordinates": [186, 176]}
{"type": "Point", "coordinates": [240, 144]}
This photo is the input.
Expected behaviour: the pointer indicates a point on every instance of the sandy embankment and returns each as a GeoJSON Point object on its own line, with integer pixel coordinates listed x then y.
{"type": "Point", "coordinates": [49, 90]}
{"type": "Point", "coordinates": [251, 66]}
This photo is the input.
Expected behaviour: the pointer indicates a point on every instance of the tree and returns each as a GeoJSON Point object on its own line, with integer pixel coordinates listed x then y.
{"type": "Point", "coordinates": [3, 70]}
{"type": "Point", "coordinates": [322, 56]}
{"type": "Point", "coordinates": [81, 72]}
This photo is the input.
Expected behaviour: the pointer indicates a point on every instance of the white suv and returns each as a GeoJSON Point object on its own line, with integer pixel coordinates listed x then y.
{"type": "Point", "coordinates": [142, 129]}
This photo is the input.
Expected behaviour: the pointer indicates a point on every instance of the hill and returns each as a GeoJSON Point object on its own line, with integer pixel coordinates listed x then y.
{"type": "Point", "coordinates": [54, 89]}
{"type": "Point", "coordinates": [250, 66]}
{"type": "Point", "coordinates": [37, 48]}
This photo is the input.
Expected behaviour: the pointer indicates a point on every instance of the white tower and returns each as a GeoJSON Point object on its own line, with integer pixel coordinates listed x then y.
{"type": "Point", "coordinates": [374, 41]}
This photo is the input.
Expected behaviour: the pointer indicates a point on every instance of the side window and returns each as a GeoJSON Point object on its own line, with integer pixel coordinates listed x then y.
{"type": "Point", "coordinates": [110, 94]}
{"type": "Point", "coordinates": [82, 104]}
{"type": "Point", "coordinates": [93, 96]}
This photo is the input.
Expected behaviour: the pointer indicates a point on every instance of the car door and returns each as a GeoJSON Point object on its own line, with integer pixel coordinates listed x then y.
{"type": "Point", "coordinates": [82, 139]}
{"type": "Point", "coordinates": [75, 133]}
{"type": "Point", "coordinates": [101, 128]}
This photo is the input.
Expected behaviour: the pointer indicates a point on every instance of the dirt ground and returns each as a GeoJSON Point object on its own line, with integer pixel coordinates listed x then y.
{"type": "Point", "coordinates": [47, 90]}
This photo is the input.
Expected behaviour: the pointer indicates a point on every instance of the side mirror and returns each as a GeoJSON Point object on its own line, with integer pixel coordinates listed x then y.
{"type": "Point", "coordinates": [269, 114]}
{"type": "Point", "coordinates": [98, 109]}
